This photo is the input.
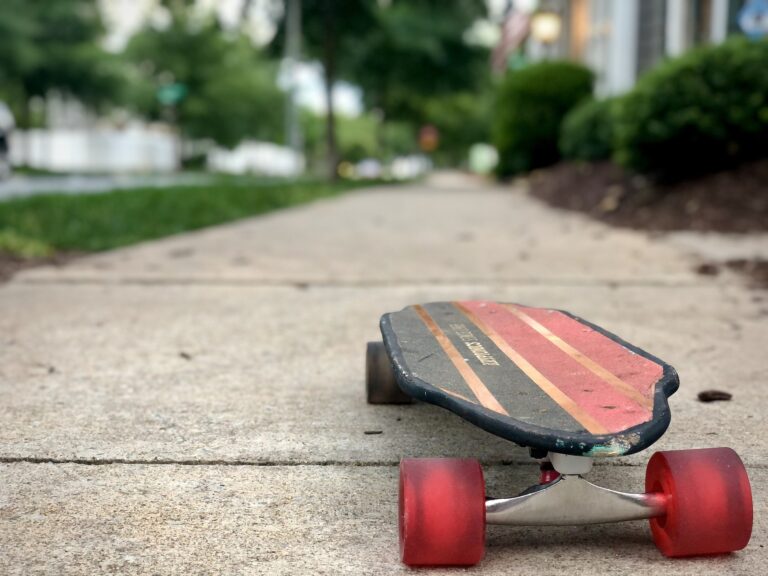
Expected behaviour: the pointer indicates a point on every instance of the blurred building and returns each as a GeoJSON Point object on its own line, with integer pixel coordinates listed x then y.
{"type": "Point", "coordinates": [134, 148]}
{"type": "Point", "coordinates": [621, 39]}
{"type": "Point", "coordinates": [76, 139]}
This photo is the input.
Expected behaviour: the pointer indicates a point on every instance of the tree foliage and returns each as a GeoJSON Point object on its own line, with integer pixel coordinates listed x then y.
{"type": "Point", "coordinates": [46, 46]}
{"type": "Point", "coordinates": [414, 53]}
{"type": "Point", "coordinates": [401, 53]}
{"type": "Point", "coordinates": [227, 89]}
{"type": "Point", "coordinates": [359, 138]}
{"type": "Point", "coordinates": [406, 56]}
{"type": "Point", "coordinates": [462, 119]}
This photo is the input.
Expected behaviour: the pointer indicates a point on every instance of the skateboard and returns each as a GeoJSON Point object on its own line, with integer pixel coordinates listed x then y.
{"type": "Point", "coordinates": [569, 391]}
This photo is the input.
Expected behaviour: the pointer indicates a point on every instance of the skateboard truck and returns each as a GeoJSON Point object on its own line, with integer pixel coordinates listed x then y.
{"type": "Point", "coordinates": [697, 501]}
{"type": "Point", "coordinates": [571, 500]}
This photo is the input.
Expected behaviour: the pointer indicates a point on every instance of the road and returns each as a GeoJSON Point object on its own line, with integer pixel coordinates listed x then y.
{"type": "Point", "coordinates": [24, 186]}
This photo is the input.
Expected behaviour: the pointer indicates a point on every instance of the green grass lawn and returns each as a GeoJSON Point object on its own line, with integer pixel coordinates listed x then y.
{"type": "Point", "coordinates": [41, 225]}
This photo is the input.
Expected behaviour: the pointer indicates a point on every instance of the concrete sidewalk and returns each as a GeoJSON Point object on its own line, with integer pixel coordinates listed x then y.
{"type": "Point", "coordinates": [195, 405]}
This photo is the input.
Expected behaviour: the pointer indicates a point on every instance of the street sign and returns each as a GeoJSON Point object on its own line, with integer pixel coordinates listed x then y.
{"type": "Point", "coordinates": [171, 94]}
{"type": "Point", "coordinates": [514, 30]}
{"type": "Point", "coordinates": [429, 138]}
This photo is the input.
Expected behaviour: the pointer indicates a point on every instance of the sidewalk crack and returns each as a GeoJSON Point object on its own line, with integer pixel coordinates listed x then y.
{"type": "Point", "coordinates": [272, 463]}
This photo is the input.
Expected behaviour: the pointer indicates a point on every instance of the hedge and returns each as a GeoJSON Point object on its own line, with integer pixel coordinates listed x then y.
{"type": "Point", "coordinates": [704, 111]}
{"type": "Point", "coordinates": [587, 131]}
{"type": "Point", "coordinates": [530, 107]}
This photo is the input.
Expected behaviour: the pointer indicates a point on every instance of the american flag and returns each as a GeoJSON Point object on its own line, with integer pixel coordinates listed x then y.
{"type": "Point", "coordinates": [513, 32]}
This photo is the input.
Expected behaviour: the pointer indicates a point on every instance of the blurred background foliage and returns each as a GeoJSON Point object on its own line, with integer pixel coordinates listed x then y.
{"type": "Point", "coordinates": [360, 137]}
{"type": "Point", "coordinates": [427, 91]}
{"type": "Point", "coordinates": [702, 111]}
{"type": "Point", "coordinates": [412, 64]}
{"type": "Point", "coordinates": [226, 88]}
{"type": "Point", "coordinates": [690, 116]}
{"type": "Point", "coordinates": [587, 131]}
{"type": "Point", "coordinates": [55, 46]}
{"type": "Point", "coordinates": [530, 106]}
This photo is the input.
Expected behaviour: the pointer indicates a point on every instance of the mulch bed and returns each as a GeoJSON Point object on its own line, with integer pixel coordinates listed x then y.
{"type": "Point", "coordinates": [735, 201]}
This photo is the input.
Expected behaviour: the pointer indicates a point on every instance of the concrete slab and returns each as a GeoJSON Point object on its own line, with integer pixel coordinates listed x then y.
{"type": "Point", "coordinates": [75, 519]}
{"type": "Point", "coordinates": [721, 247]}
{"type": "Point", "coordinates": [266, 374]}
{"type": "Point", "coordinates": [214, 384]}
{"type": "Point", "coordinates": [392, 235]}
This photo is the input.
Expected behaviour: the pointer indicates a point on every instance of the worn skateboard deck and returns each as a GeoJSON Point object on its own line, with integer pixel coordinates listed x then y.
{"type": "Point", "coordinates": [542, 378]}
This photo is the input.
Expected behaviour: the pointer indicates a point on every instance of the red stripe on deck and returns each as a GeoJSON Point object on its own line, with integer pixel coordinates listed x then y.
{"type": "Point", "coordinates": [637, 371]}
{"type": "Point", "coordinates": [610, 406]}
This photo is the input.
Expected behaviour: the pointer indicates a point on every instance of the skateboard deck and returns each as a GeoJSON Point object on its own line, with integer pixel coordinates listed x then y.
{"type": "Point", "coordinates": [542, 378]}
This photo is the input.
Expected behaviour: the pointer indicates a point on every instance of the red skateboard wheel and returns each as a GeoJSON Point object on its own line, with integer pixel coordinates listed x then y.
{"type": "Point", "coordinates": [709, 501]}
{"type": "Point", "coordinates": [442, 512]}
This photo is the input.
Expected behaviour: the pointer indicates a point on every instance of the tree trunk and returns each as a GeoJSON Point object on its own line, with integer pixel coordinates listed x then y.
{"type": "Point", "coordinates": [291, 57]}
{"type": "Point", "coordinates": [245, 10]}
{"type": "Point", "coordinates": [329, 63]}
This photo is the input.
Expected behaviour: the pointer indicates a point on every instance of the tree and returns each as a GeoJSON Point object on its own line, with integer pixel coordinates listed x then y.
{"type": "Point", "coordinates": [415, 67]}
{"type": "Point", "coordinates": [415, 53]}
{"type": "Point", "coordinates": [403, 54]}
{"type": "Point", "coordinates": [330, 32]}
{"type": "Point", "coordinates": [224, 89]}
{"type": "Point", "coordinates": [46, 46]}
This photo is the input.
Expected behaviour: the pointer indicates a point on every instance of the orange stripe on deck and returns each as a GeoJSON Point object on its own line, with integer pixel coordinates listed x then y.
{"type": "Point", "coordinates": [565, 402]}
{"type": "Point", "coordinates": [484, 396]}
{"type": "Point", "coordinates": [588, 363]}
{"type": "Point", "coordinates": [457, 395]}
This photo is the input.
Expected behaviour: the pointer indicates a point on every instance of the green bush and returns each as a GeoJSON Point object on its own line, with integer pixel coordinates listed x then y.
{"type": "Point", "coordinates": [587, 131]}
{"type": "Point", "coordinates": [704, 111]}
{"type": "Point", "coordinates": [357, 138]}
{"type": "Point", "coordinates": [531, 104]}
{"type": "Point", "coordinates": [462, 119]}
